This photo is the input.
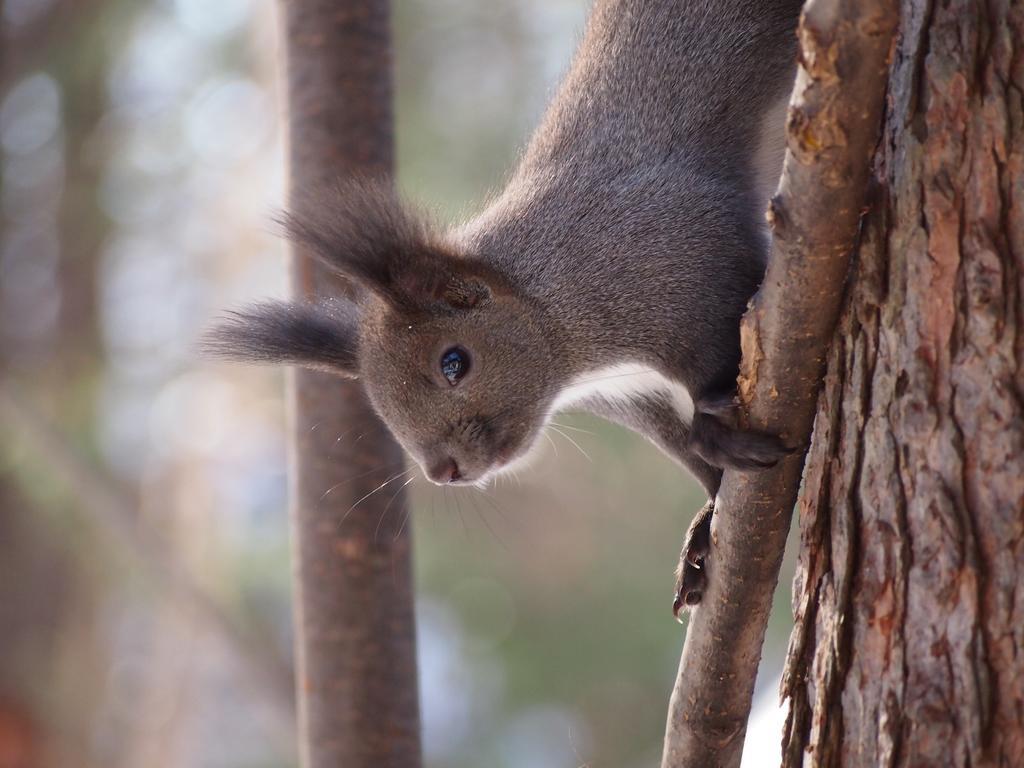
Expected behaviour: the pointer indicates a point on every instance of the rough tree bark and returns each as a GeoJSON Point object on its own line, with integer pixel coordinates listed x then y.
{"type": "Point", "coordinates": [833, 123]}
{"type": "Point", "coordinates": [909, 641]}
{"type": "Point", "coordinates": [356, 664]}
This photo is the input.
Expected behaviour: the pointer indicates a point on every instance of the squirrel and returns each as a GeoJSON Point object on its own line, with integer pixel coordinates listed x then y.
{"type": "Point", "coordinates": [609, 275]}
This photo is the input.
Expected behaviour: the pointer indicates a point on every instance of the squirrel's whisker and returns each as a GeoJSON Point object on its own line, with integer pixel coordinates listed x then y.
{"type": "Point", "coordinates": [368, 495]}
{"type": "Point", "coordinates": [578, 447]}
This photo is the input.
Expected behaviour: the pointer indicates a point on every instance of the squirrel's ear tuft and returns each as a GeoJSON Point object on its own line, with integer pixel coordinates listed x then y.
{"type": "Point", "coordinates": [323, 337]}
{"type": "Point", "coordinates": [363, 231]}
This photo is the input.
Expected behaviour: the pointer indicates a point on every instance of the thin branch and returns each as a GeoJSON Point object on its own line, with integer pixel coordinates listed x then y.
{"type": "Point", "coordinates": [108, 508]}
{"type": "Point", "coordinates": [833, 126]}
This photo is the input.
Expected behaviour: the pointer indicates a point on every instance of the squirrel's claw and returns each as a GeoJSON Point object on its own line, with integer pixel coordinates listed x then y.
{"type": "Point", "coordinates": [691, 575]}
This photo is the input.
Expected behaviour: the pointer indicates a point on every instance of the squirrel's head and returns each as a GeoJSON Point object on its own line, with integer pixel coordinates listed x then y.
{"type": "Point", "coordinates": [457, 361]}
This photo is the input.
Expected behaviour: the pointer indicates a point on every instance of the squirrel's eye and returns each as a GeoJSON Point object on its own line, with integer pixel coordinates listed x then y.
{"type": "Point", "coordinates": [455, 364]}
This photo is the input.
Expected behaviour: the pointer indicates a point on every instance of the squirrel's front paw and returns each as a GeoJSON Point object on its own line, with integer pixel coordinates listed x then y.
{"type": "Point", "coordinates": [691, 575]}
{"type": "Point", "coordinates": [716, 438]}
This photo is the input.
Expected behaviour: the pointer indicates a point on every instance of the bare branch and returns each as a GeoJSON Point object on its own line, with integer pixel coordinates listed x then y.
{"type": "Point", "coordinates": [833, 125]}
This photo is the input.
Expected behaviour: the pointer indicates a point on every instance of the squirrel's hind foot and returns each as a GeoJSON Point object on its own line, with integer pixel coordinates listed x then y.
{"type": "Point", "coordinates": [691, 574]}
{"type": "Point", "coordinates": [716, 438]}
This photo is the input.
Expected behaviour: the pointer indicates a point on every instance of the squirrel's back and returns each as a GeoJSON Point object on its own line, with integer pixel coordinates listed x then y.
{"type": "Point", "coordinates": [656, 78]}
{"type": "Point", "coordinates": [691, 88]}
{"type": "Point", "coordinates": [637, 210]}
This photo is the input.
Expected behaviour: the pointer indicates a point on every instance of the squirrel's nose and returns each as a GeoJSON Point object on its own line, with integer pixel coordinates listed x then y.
{"type": "Point", "coordinates": [445, 471]}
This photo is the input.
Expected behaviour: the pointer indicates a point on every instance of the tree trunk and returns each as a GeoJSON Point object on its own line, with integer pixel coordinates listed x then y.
{"type": "Point", "coordinates": [908, 648]}
{"type": "Point", "coordinates": [356, 665]}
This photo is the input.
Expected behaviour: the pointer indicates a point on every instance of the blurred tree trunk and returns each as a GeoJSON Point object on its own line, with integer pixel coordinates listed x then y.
{"type": "Point", "coordinates": [908, 648]}
{"type": "Point", "coordinates": [35, 598]}
{"type": "Point", "coordinates": [53, 662]}
{"type": "Point", "coordinates": [357, 686]}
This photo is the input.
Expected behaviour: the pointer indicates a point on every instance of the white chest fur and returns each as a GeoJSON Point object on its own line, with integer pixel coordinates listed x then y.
{"type": "Point", "coordinates": [624, 383]}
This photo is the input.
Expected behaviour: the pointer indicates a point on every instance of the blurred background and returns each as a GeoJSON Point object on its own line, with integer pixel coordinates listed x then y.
{"type": "Point", "coordinates": [144, 561]}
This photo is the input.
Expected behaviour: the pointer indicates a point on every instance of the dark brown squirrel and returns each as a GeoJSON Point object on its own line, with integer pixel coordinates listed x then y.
{"type": "Point", "coordinates": [609, 275]}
